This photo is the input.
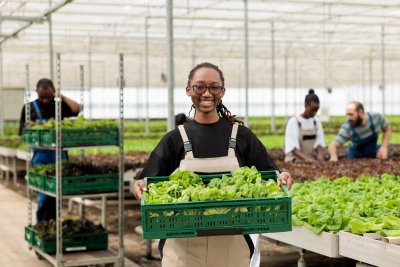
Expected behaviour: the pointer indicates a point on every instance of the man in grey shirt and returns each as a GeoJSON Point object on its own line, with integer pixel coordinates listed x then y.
{"type": "Point", "coordinates": [362, 131]}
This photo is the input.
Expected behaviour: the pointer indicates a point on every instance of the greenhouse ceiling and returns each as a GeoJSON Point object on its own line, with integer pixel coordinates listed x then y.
{"type": "Point", "coordinates": [310, 43]}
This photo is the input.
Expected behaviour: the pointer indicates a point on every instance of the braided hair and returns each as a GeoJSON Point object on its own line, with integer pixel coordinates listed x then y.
{"type": "Point", "coordinates": [222, 110]}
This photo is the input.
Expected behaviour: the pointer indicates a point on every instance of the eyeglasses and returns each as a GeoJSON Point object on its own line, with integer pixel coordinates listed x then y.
{"type": "Point", "coordinates": [201, 89]}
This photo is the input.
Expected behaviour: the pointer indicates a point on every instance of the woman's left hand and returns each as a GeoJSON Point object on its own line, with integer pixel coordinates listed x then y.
{"type": "Point", "coordinates": [286, 179]}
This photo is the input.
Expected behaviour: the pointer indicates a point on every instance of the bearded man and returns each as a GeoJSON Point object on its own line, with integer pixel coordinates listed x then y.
{"type": "Point", "coordinates": [362, 131]}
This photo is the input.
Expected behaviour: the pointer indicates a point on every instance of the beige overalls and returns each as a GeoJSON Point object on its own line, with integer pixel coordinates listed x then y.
{"type": "Point", "coordinates": [307, 139]}
{"type": "Point", "coordinates": [213, 251]}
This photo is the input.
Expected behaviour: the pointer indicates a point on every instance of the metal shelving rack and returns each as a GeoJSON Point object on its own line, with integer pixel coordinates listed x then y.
{"type": "Point", "coordinates": [83, 258]}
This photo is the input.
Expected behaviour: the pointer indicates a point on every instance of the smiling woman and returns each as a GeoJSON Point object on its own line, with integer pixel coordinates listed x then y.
{"type": "Point", "coordinates": [206, 88]}
{"type": "Point", "coordinates": [213, 142]}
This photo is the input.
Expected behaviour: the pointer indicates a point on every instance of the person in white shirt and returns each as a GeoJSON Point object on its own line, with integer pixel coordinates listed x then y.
{"type": "Point", "coordinates": [304, 137]}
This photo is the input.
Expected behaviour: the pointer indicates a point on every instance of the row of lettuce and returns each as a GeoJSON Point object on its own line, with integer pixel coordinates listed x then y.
{"type": "Point", "coordinates": [364, 205]}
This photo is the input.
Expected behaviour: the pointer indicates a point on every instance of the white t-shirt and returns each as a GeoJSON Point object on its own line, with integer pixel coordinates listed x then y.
{"type": "Point", "coordinates": [293, 132]}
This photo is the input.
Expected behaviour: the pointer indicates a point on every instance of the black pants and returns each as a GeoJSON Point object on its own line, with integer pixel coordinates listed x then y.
{"type": "Point", "coordinates": [47, 210]}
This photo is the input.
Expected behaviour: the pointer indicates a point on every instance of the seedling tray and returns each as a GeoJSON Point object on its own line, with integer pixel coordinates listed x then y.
{"type": "Point", "coordinates": [73, 185]}
{"type": "Point", "coordinates": [264, 215]}
{"type": "Point", "coordinates": [71, 242]}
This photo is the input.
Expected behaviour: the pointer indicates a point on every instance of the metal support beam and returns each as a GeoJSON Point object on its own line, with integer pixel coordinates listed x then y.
{"type": "Point", "coordinates": [370, 80]}
{"type": "Point", "coordinates": [363, 81]}
{"type": "Point", "coordinates": [15, 33]}
{"type": "Point", "coordinates": [170, 67]}
{"type": "Point", "coordinates": [383, 69]}
{"type": "Point", "coordinates": [104, 211]}
{"type": "Point", "coordinates": [286, 87]}
{"type": "Point", "coordinates": [28, 149]}
{"type": "Point", "coordinates": [59, 252]}
{"type": "Point", "coordinates": [27, 99]}
{"type": "Point", "coordinates": [82, 85]}
{"type": "Point", "coordinates": [193, 53]}
{"type": "Point", "coordinates": [146, 38]}
{"type": "Point", "coordinates": [300, 85]}
{"type": "Point", "coordinates": [138, 89]}
{"type": "Point", "coordinates": [246, 64]}
{"type": "Point", "coordinates": [272, 78]}
{"type": "Point", "coordinates": [90, 106]}
{"type": "Point", "coordinates": [81, 209]}
{"type": "Point", "coordinates": [82, 99]}
{"type": "Point", "coordinates": [43, 15]}
{"type": "Point", "coordinates": [121, 163]}
{"type": "Point", "coordinates": [23, 18]}
{"type": "Point", "coordinates": [294, 85]}
{"type": "Point", "coordinates": [51, 44]}
{"type": "Point", "coordinates": [55, 8]}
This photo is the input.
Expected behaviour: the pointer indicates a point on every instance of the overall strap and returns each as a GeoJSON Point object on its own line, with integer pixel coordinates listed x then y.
{"type": "Point", "coordinates": [371, 122]}
{"type": "Point", "coordinates": [298, 122]}
{"type": "Point", "coordinates": [186, 142]}
{"type": "Point", "coordinates": [315, 126]}
{"type": "Point", "coordinates": [37, 110]}
{"type": "Point", "coordinates": [232, 140]}
{"type": "Point", "coordinates": [355, 134]}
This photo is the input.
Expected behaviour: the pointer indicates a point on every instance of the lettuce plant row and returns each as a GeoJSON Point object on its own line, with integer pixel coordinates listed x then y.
{"type": "Point", "coordinates": [364, 205]}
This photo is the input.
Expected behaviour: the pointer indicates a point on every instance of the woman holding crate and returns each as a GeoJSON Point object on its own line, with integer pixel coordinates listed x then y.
{"type": "Point", "coordinates": [213, 142]}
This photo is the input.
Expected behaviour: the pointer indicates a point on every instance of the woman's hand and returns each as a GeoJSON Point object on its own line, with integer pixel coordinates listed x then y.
{"type": "Point", "coordinates": [286, 180]}
{"type": "Point", "coordinates": [138, 188]}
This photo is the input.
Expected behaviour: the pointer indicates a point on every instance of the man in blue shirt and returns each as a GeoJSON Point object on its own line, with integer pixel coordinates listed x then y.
{"type": "Point", "coordinates": [43, 109]}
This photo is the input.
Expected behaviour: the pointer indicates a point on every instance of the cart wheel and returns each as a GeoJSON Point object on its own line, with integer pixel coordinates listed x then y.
{"type": "Point", "coordinates": [40, 257]}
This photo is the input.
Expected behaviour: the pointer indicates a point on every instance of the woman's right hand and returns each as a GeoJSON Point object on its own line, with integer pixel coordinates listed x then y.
{"type": "Point", "coordinates": [138, 188]}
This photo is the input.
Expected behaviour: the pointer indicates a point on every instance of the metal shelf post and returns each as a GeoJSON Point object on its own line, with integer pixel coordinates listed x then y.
{"type": "Point", "coordinates": [58, 163]}
{"type": "Point", "coordinates": [121, 161]}
{"type": "Point", "coordinates": [28, 149]}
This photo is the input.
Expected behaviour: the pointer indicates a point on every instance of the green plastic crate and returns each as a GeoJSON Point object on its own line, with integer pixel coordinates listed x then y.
{"type": "Point", "coordinates": [71, 242]}
{"type": "Point", "coordinates": [264, 215]}
{"type": "Point", "coordinates": [36, 180]}
{"type": "Point", "coordinates": [88, 184]}
{"type": "Point", "coordinates": [72, 185]}
{"type": "Point", "coordinates": [31, 137]}
{"type": "Point", "coordinates": [75, 242]}
{"type": "Point", "coordinates": [81, 137]}
{"type": "Point", "coordinates": [30, 235]}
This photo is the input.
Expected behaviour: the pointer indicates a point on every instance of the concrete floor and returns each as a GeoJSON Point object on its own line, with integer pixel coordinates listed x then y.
{"type": "Point", "coordinates": [14, 250]}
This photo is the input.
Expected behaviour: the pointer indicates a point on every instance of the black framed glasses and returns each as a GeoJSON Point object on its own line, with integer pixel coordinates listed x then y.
{"type": "Point", "coordinates": [201, 89]}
